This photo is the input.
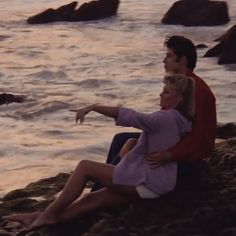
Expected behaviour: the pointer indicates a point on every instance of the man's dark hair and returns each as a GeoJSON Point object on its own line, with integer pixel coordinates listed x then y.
{"type": "Point", "coordinates": [183, 47]}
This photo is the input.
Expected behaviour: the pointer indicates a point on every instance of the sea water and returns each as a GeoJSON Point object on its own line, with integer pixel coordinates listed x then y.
{"type": "Point", "coordinates": [64, 65]}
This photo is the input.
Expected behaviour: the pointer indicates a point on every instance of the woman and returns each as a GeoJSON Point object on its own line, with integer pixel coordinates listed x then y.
{"type": "Point", "coordinates": [134, 177]}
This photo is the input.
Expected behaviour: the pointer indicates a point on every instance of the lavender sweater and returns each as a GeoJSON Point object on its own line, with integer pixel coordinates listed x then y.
{"type": "Point", "coordinates": [161, 130]}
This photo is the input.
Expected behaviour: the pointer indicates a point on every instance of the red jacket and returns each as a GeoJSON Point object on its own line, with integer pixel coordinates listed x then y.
{"type": "Point", "coordinates": [199, 143]}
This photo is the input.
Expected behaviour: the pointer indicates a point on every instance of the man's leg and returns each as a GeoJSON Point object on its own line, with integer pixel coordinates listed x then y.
{"type": "Point", "coordinates": [117, 143]}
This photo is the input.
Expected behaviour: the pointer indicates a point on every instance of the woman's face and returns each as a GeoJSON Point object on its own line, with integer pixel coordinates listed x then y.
{"type": "Point", "coordinates": [170, 98]}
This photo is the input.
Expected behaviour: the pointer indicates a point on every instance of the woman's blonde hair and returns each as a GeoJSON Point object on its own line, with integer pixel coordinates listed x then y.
{"type": "Point", "coordinates": [184, 85]}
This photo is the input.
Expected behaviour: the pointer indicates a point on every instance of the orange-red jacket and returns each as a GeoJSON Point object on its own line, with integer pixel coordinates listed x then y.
{"type": "Point", "coordinates": [199, 143]}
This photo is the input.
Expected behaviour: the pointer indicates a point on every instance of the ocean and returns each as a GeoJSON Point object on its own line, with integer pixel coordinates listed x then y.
{"type": "Point", "coordinates": [64, 65]}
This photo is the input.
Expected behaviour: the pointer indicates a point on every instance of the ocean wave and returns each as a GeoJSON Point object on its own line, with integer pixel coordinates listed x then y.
{"type": "Point", "coordinates": [107, 95]}
{"type": "Point", "coordinates": [82, 152]}
{"type": "Point", "coordinates": [46, 108]}
{"type": "Point", "coordinates": [29, 53]}
{"type": "Point", "coordinates": [94, 83]}
{"type": "Point", "coordinates": [48, 74]}
{"type": "Point", "coordinates": [3, 37]}
{"type": "Point", "coordinates": [26, 167]}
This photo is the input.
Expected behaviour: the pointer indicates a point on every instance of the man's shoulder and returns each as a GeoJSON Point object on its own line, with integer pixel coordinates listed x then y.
{"type": "Point", "coordinates": [199, 80]}
{"type": "Point", "coordinates": [201, 84]}
{"type": "Point", "coordinates": [202, 88]}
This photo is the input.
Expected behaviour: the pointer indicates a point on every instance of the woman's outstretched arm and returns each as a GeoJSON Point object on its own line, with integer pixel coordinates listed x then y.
{"type": "Point", "coordinates": [104, 110]}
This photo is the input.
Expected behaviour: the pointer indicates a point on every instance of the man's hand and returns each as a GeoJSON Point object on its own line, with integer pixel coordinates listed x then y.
{"type": "Point", "coordinates": [81, 113]}
{"type": "Point", "coordinates": [158, 159]}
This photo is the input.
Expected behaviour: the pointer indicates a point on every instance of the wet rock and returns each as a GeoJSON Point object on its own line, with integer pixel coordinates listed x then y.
{"type": "Point", "coordinates": [92, 10]}
{"type": "Point", "coordinates": [197, 13]}
{"type": "Point", "coordinates": [225, 50]}
{"type": "Point", "coordinates": [6, 98]}
{"type": "Point", "coordinates": [47, 187]}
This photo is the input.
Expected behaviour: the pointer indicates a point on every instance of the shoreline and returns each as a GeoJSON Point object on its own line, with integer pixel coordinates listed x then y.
{"type": "Point", "coordinates": [208, 196]}
{"type": "Point", "coordinates": [224, 131]}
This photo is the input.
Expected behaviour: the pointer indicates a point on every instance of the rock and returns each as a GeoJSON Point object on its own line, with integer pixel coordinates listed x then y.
{"type": "Point", "coordinates": [47, 187]}
{"type": "Point", "coordinates": [92, 10]}
{"type": "Point", "coordinates": [229, 232]}
{"type": "Point", "coordinates": [197, 13]}
{"type": "Point", "coordinates": [225, 131]}
{"type": "Point", "coordinates": [6, 98]}
{"type": "Point", "coordinates": [225, 49]}
{"type": "Point", "coordinates": [5, 233]}
{"type": "Point", "coordinates": [62, 13]}
{"type": "Point", "coordinates": [201, 45]}
{"type": "Point", "coordinates": [96, 10]}
{"type": "Point", "coordinates": [228, 214]}
{"type": "Point", "coordinates": [203, 205]}
{"type": "Point", "coordinates": [208, 219]}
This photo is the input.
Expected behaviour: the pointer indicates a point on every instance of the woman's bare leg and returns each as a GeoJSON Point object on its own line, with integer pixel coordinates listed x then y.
{"type": "Point", "coordinates": [129, 144]}
{"type": "Point", "coordinates": [85, 171]}
{"type": "Point", "coordinates": [100, 199]}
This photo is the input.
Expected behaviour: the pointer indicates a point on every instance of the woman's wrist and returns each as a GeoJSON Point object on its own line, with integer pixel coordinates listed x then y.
{"type": "Point", "coordinates": [92, 107]}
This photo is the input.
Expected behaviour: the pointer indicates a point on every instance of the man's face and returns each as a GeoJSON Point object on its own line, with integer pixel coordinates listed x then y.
{"type": "Point", "coordinates": [171, 62]}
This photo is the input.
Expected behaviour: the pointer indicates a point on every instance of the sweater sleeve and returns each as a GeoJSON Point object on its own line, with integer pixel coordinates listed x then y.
{"type": "Point", "coordinates": [147, 122]}
{"type": "Point", "coordinates": [199, 143]}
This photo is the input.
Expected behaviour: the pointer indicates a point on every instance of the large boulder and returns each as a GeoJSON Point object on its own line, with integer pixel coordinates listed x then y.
{"type": "Point", "coordinates": [226, 48]}
{"type": "Point", "coordinates": [95, 10]}
{"type": "Point", "coordinates": [62, 13]}
{"type": "Point", "coordinates": [88, 11]}
{"type": "Point", "coordinates": [197, 13]}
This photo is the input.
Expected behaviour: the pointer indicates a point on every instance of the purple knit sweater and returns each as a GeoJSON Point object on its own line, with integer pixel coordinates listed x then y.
{"type": "Point", "coordinates": [161, 130]}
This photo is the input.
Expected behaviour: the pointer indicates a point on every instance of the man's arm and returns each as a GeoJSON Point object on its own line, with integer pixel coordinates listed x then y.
{"type": "Point", "coordinates": [200, 141]}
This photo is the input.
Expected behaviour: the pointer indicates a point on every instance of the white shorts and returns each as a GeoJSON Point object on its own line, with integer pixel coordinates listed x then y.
{"type": "Point", "coordinates": [145, 192]}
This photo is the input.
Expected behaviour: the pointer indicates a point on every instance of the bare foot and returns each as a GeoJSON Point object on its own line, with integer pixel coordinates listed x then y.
{"type": "Point", "coordinates": [44, 219]}
{"type": "Point", "coordinates": [26, 218]}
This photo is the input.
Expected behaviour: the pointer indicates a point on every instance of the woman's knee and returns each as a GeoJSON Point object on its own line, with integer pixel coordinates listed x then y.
{"type": "Point", "coordinates": [83, 165]}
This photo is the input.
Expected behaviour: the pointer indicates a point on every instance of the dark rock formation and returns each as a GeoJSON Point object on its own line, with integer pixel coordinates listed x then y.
{"type": "Point", "coordinates": [62, 13]}
{"type": "Point", "coordinates": [204, 205]}
{"type": "Point", "coordinates": [201, 45]}
{"type": "Point", "coordinates": [6, 98]}
{"type": "Point", "coordinates": [88, 11]}
{"type": "Point", "coordinates": [225, 131]}
{"type": "Point", "coordinates": [226, 48]}
{"type": "Point", "coordinates": [197, 13]}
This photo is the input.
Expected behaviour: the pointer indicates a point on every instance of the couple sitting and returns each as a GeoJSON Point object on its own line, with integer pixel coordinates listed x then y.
{"type": "Point", "coordinates": [148, 166]}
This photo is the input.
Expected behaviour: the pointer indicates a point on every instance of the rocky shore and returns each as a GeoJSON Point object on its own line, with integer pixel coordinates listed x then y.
{"type": "Point", "coordinates": [203, 204]}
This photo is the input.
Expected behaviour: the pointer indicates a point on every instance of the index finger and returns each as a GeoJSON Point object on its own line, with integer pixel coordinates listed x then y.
{"type": "Point", "coordinates": [73, 110]}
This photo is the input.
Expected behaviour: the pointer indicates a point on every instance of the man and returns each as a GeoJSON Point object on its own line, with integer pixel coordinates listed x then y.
{"type": "Point", "coordinates": [181, 58]}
